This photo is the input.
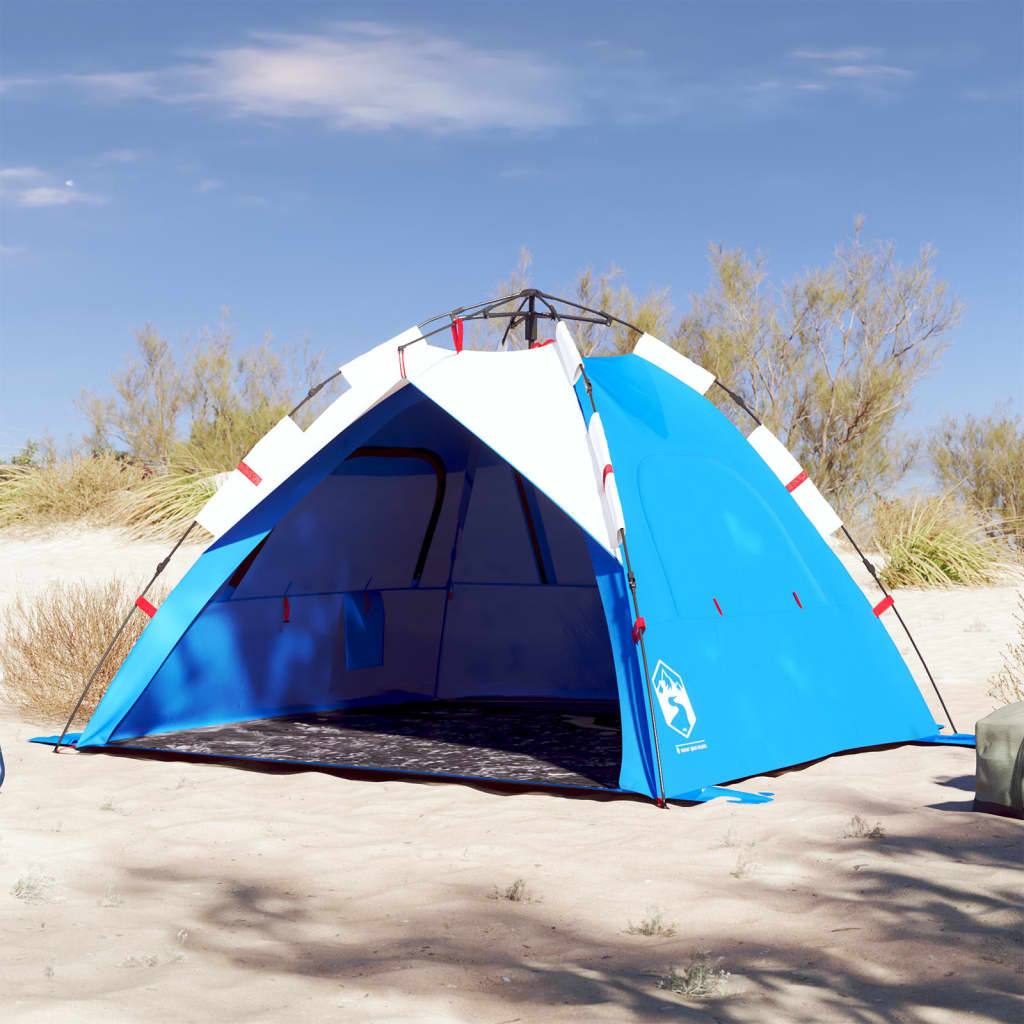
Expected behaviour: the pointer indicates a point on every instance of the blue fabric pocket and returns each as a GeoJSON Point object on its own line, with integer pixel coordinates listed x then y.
{"type": "Point", "coordinates": [364, 629]}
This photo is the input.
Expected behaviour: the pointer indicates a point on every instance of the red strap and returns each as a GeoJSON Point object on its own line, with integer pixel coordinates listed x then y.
{"type": "Point", "coordinates": [457, 326]}
{"type": "Point", "coordinates": [884, 605]}
{"type": "Point", "coordinates": [800, 478]}
{"type": "Point", "coordinates": [604, 476]}
{"type": "Point", "coordinates": [367, 597]}
{"type": "Point", "coordinates": [149, 609]}
{"type": "Point", "coordinates": [638, 628]}
{"type": "Point", "coordinates": [797, 599]}
{"type": "Point", "coordinates": [250, 474]}
{"type": "Point", "coordinates": [286, 610]}
{"type": "Point", "coordinates": [401, 363]}
{"type": "Point", "coordinates": [541, 344]}
{"type": "Point", "coordinates": [717, 605]}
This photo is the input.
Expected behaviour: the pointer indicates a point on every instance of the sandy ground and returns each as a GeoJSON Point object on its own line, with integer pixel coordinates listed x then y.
{"type": "Point", "coordinates": [165, 891]}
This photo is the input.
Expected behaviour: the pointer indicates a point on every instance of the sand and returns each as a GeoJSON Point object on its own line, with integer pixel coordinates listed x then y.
{"type": "Point", "coordinates": [165, 891]}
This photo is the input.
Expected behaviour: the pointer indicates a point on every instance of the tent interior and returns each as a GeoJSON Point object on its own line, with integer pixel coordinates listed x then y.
{"type": "Point", "coordinates": [423, 609]}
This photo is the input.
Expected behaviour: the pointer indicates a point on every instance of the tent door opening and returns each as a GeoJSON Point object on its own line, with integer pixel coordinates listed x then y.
{"type": "Point", "coordinates": [443, 617]}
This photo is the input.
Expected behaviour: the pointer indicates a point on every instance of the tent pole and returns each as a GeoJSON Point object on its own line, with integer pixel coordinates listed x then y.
{"type": "Point", "coordinates": [631, 579]}
{"type": "Point", "coordinates": [120, 629]}
{"type": "Point", "coordinates": [913, 643]}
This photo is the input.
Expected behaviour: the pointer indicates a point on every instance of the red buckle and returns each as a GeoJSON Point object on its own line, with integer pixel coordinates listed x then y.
{"type": "Point", "coordinates": [800, 478]}
{"type": "Point", "coordinates": [884, 605]}
{"type": "Point", "coordinates": [638, 629]}
{"type": "Point", "coordinates": [457, 330]}
{"type": "Point", "coordinates": [146, 606]}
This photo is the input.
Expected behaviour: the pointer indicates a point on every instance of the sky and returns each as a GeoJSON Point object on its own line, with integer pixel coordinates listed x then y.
{"type": "Point", "coordinates": [339, 171]}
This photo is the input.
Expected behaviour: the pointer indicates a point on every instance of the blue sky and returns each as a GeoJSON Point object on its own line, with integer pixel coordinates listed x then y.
{"type": "Point", "coordinates": [339, 171]}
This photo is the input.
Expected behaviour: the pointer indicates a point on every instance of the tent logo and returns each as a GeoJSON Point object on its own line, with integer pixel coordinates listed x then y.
{"type": "Point", "coordinates": [674, 700]}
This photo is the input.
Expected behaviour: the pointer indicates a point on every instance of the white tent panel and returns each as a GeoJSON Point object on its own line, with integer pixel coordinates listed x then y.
{"type": "Point", "coordinates": [787, 469]}
{"type": "Point", "coordinates": [521, 405]}
{"type": "Point", "coordinates": [568, 353]}
{"type": "Point", "coordinates": [274, 458]}
{"type": "Point", "coordinates": [673, 362]}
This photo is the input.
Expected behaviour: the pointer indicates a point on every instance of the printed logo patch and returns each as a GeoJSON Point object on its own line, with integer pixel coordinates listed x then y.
{"type": "Point", "coordinates": [674, 700]}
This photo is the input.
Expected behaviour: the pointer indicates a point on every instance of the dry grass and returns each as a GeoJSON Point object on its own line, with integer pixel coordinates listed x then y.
{"type": "Point", "coordinates": [85, 488]}
{"type": "Point", "coordinates": [653, 926]}
{"type": "Point", "coordinates": [1007, 685]}
{"type": "Point", "coordinates": [858, 828]}
{"type": "Point", "coordinates": [700, 979]}
{"type": "Point", "coordinates": [53, 640]}
{"type": "Point", "coordinates": [164, 505]}
{"type": "Point", "coordinates": [935, 542]}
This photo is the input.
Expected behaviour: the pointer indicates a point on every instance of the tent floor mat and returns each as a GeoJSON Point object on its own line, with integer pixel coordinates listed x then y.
{"type": "Point", "coordinates": [563, 743]}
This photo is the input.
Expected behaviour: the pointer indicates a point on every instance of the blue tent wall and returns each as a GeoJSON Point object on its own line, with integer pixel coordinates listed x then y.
{"type": "Point", "coordinates": [769, 683]}
{"type": "Point", "coordinates": [515, 615]}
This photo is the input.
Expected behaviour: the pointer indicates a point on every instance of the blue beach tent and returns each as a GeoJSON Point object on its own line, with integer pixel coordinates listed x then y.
{"type": "Point", "coordinates": [517, 565]}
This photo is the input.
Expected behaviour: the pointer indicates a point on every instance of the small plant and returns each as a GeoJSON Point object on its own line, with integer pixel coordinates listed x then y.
{"type": "Point", "coordinates": [517, 892]}
{"type": "Point", "coordinates": [701, 978]}
{"type": "Point", "coordinates": [652, 925]}
{"type": "Point", "coordinates": [53, 640]}
{"type": "Point", "coordinates": [1007, 685]}
{"type": "Point", "coordinates": [858, 828]}
{"type": "Point", "coordinates": [33, 887]}
{"type": "Point", "coordinates": [111, 897]}
{"type": "Point", "coordinates": [935, 542]}
{"type": "Point", "coordinates": [746, 862]}
{"type": "Point", "coordinates": [143, 960]}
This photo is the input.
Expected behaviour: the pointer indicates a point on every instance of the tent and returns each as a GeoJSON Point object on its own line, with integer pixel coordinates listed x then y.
{"type": "Point", "coordinates": [522, 566]}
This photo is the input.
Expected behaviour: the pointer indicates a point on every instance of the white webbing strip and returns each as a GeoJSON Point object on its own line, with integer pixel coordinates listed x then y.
{"type": "Point", "coordinates": [674, 363]}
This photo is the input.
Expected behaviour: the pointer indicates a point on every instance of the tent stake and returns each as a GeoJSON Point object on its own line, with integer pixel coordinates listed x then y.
{"type": "Point", "coordinates": [120, 629]}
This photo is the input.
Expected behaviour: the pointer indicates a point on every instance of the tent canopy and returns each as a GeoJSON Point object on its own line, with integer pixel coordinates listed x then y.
{"type": "Point", "coordinates": [457, 533]}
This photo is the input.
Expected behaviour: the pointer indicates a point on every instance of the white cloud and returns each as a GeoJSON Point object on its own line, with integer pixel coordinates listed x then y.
{"type": "Point", "coordinates": [362, 76]}
{"type": "Point", "coordinates": [32, 187]}
{"type": "Point", "coordinates": [53, 195]}
{"type": "Point", "coordinates": [11, 250]}
{"type": "Point", "coordinates": [847, 54]}
{"type": "Point", "coordinates": [21, 174]}
{"type": "Point", "coordinates": [120, 156]}
{"type": "Point", "coordinates": [209, 185]}
{"type": "Point", "coordinates": [868, 71]}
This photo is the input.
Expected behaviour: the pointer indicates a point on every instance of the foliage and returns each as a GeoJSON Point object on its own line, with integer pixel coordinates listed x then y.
{"type": "Point", "coordinates": [164, 504]}
{"type": "Point", "coordinates": [828, 361]}
{"type": "Point", "coordinates": [54, 639]}
{"type": "Point", "coordinates": [933, 542]}
{"type": "Point", "coordinates": [702, 977]}
{"type": "Point", "coordinates": [653, 925]}
{"type": "Point", "coordinates": [1007, 685]}
{"type": "Point", "coordinates": [984, 458]}
{"type": "Point", "coordinates": [203, 406]}
{"type": "Point", "coordinates": [81, 487]}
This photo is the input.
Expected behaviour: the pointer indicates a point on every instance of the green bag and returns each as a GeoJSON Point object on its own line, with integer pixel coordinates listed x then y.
{"type": "Point", "coordinates": [999, 787]}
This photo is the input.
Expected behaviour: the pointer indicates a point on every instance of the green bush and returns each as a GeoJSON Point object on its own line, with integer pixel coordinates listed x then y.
{"type": "Point", "coordinates": [934, 542]}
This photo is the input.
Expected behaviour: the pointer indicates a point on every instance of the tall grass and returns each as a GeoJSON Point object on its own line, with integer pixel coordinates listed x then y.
{"type": "Point", "coordinates": [52, 640]}
{"type": "Point", "coordinates": [934, 542]}
{"type": "Point", "coordinates": [85, 488]}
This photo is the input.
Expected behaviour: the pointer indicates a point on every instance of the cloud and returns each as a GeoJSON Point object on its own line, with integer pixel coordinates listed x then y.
{"type": "Point", "coordinates": [21, 174]}
{"type": "Point", "coordinates": [209, 185]}
{"type": "Point", "coordinates": [868, 71]}
{"type": "Point", "coordinates": [32, 187]}
{"type": "Point", "coordinates": [54, 195]}
{"type": "Point", "coordinates": [11, 250]}
{"type": "Point", "coordinates": [361, 76]}
{"type": "Point", "coordinates": [847, 54]}
{"type": "Point", "coordinates": [121, 156]}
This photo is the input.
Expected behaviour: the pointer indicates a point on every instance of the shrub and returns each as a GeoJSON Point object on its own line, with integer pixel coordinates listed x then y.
{"type": "Point", "coordinates": [1008, 683]}
{"type": "Point", "coordinates": [934, 542]}
{"type": "Point", "coordinates": [166, 503]}
{"type": "Point", "coordinates": [81, 487]}
{"type": "Point", "coordinates": [653, 925]}
{"type": "Point", "coordinates": [700, 978]}
{"type": "Point", "coordinates": [52, 641]}
{"type": "Point", "coordinates": [984, 456]}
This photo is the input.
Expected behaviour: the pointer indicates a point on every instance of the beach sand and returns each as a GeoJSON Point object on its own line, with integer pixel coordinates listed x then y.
{"type": "Point", "coordinates": [134, 889]}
